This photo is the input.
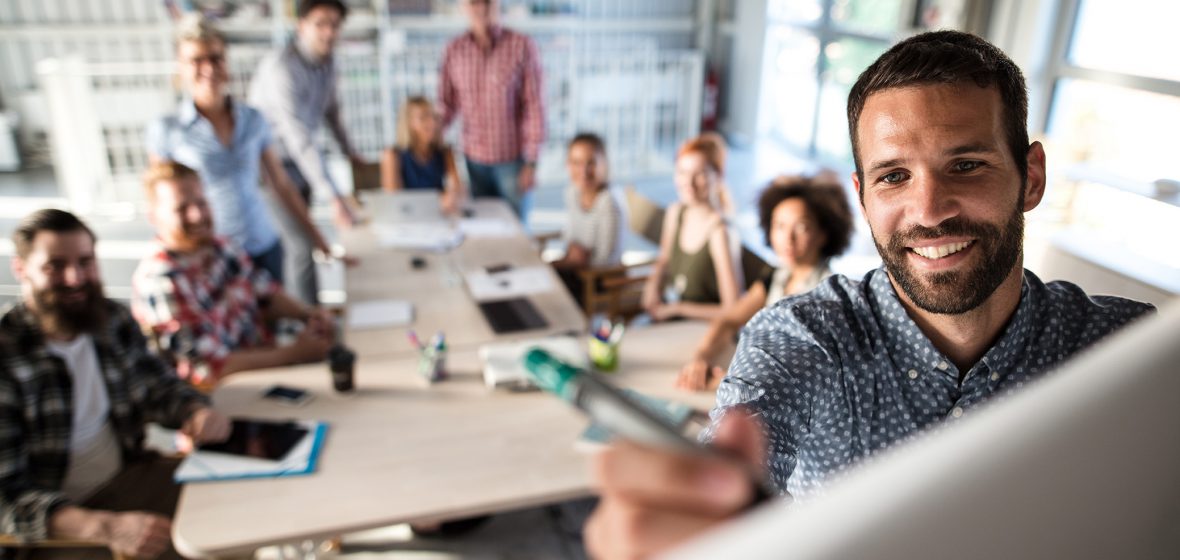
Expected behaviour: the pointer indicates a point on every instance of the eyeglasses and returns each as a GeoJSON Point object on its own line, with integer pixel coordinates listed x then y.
{"type": "Point", "coordinates": [212, 60]}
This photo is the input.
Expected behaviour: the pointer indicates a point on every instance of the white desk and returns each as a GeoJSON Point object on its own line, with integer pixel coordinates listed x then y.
{"type": "Point", "coordinates": [437, 290]}
{"type": "Point", "coordinates": [399, 450]}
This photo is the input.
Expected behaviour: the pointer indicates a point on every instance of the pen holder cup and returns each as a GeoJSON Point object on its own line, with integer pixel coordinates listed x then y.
{"type": "Point", "coordinates": [432, 364]}
{"type": "Point", "coordinates": [604, 355]}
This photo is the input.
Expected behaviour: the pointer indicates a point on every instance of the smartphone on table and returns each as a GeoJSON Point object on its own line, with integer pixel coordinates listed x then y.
{"type": "Point", "coordinates": [289, 396]}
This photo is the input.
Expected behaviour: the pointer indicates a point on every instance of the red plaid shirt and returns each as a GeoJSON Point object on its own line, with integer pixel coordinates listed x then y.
{"type": "Point", "coordinates": [202, 305]}
{"type": "Point", "coordinates": [498, 93]}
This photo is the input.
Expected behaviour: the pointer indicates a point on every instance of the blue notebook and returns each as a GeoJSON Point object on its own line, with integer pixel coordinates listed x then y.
{"type": "Point", "coordinates": [257, 449]}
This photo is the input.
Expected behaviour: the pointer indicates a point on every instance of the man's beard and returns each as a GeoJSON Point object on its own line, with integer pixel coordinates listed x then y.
{"type": "Point", "coordinates": [194, 237]}
{"type": "Point", "coordinates": [953, 292]}
{"type": "Point", "coordinates": [60, 317]}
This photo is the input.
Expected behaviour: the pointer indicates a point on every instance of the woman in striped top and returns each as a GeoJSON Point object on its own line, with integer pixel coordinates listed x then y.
{"type": "Point", "coordinates": [594, 227]}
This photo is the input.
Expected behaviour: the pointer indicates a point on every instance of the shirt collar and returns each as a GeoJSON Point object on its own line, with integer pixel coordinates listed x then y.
{"type": "Point", "coordinates": [187, 114]}
{"type": "Point", "coordinates": [910, 349]}
{"type": "Point", "coordinates": [906, 344]}
{"type": "Point", "coordinates": [1015, 337]}
{"type": "Point", "coordinates": [496, 31]}
{"type": "Point", "coordinates": [305, 55]}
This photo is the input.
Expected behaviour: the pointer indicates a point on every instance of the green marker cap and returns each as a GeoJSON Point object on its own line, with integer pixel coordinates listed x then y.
{"type": "Point", "coordinates": [550, 373]}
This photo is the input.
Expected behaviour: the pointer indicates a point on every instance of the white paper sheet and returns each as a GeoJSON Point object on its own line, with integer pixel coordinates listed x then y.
{"type": "Point", "coordinates": [424, 236]}
{"type": "Point", "coordinates": [487, 227]}
{"type": "Point", "coordinates": [379, 314]}
{"type": "Point", "coordinates": [514, 282]}
{"type": "Point", "coordinates": [503, 362]}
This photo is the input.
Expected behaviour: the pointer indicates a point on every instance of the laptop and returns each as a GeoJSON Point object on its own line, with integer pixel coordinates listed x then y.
{"type": "Point", "coordinates": [512, 315]}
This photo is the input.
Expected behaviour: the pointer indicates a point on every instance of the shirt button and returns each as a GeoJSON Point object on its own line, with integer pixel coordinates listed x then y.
{"type": "Point", "coordinates": [913, 373]}
{"type": "Point", "coordinates": [995, 376]}
{"type": "Point", "coordinates": [957, 412]}
{"type": "Point", "coordinates": [943, 366]}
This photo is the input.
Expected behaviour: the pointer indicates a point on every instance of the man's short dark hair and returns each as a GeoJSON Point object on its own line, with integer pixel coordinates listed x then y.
{"type": "Point", "coordinates": [590, 139]}
{"type": "Point", "coordinates": [947, 57]}
{"type": "Point", "coordinates": [825, 201]}
{"type": "Point", "coordinates": [306, 6]}
{"type": "Point", "coordinates": [48, 219]}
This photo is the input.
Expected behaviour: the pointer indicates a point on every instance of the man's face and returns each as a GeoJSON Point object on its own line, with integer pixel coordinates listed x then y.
{"type": "Point", "coordinates": [942, 194]}
{"type": "Point", "coordinates": [59, 280]}
{"type": "Point", "coordinates": [481, 14]}
{"type": "Point", "coordinates": [203, 67]}
{"type": "Point", "coordinates": [181, 214]}
{"type": "Point", "coordinates": [319, 29]}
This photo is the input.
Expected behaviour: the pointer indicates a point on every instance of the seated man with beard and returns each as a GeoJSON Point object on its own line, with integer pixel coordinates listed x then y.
{"type": "Point", "coordinates": [944, 173]}
{"type": "Point", "coordinates": [202, 297]}
{"type": "Point", "coordinates": [77, 384]}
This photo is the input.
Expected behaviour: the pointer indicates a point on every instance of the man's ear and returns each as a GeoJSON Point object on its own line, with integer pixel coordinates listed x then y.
{"type": "Point", "coordinates": [1034, 185]}
{"type": "Point", "coordinates": [859, 195]}
{"type": "Point", "coordinates": [18, 268]}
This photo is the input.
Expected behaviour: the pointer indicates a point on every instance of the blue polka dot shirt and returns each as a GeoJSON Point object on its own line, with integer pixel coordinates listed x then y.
{"type": "Point", "coordinates": [842, 372]}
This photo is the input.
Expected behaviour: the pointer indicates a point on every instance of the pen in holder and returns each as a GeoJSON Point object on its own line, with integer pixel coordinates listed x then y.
{"type": "Point", "coordinates": [432, 357]}
{"type": "Point", "coordinates": [603, 345]}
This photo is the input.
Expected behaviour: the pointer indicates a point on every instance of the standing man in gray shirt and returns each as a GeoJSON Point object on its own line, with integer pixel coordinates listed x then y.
{"type": "Point", "coordinates": [295, 88]}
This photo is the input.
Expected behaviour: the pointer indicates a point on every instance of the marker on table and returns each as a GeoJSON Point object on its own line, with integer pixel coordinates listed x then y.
{"type": "Point", "coordinates": [410, 334]}
{"type": "Point", "coordinates": [618, 413]}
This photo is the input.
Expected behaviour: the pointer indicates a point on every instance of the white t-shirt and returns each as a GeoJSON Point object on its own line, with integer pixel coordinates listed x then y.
{"type": "Point", "coordinates": [95, 456]}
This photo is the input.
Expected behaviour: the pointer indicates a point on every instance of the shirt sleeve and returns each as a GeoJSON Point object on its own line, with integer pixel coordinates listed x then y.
{"type": "Point", "coordinates": [296, 138]}
{"type": "Point", "coordinates": [776, 375]}
{"type": "Point", "coordinates": [336, 122]}
{"type": "Point", "coordinates": [165, 304]}
{"type": "Point", "coordinates": [167, 399]}
{"type": "Point", "coordinates": [532, 117]}
{"type": "Point", "coordinates": [263, 283]}
{"type": "Point", "coordinates": [155, 139]}
{"type": "Point", "coordinates": [24, 508]}
{"type": "Point", "coordinates": [607, 231]}
{"type": "Point", "coordinates": [448, 101]}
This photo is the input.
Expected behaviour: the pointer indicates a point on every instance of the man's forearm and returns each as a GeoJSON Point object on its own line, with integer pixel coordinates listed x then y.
{"type": "Point", "coordinates": [283, 306]}
{"type": "Point", "coordinates": [79, 524]}
{"type": "Point", "coordinates": [257, 358]}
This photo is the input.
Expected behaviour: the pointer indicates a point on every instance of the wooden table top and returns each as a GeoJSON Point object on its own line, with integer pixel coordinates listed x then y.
{"type": "Point", "coordinates": [399, 450]}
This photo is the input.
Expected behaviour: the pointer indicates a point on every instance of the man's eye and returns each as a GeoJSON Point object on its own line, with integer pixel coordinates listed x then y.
{"type": "Point", "coordinates": [968, 165]}
{"type": "Point", "coordinates": [895, 177]}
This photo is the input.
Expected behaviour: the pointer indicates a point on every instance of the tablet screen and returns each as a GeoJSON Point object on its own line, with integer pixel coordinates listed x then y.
{"type": "Point", "coordinates": [260, 439]}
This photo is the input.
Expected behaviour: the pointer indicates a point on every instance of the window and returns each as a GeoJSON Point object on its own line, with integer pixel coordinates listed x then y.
{"type": "Point", "coordinates": [1112, 127]}
{"type": "Point", "coordinates": [1115, 100]}
{"type": "Point", "coordinates": [816, 49]}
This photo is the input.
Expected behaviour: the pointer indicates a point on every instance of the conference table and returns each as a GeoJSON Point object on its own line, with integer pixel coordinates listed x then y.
{"type": "Point", "coordinates": [400, 449]}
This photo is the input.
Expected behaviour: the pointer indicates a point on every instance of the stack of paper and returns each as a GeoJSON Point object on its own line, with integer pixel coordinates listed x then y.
{"type": "Point", "coordinates": [380, 314]}
{"type": "Point", "coordinates": [510, 283]}
{"type": "Point", "coordinates": [427, 236]}
{"type": "Point", "coordinates": [487, 227]}
{"type": "Point", "coordinates": [503, 362]}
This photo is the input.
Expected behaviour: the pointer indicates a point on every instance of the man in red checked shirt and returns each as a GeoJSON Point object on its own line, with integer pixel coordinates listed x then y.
{"type": "Point", "coordinates": [491, 76]}
{"type": "Point", "coordinates": [207, 305]}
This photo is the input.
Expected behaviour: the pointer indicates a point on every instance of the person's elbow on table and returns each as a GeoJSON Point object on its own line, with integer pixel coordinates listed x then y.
{"type": "Point", "coordinates": [653, 500]}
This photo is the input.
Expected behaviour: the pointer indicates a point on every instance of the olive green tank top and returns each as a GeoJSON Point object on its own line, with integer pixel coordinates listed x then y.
{"type": "Point", "coordinates": [692, 276]}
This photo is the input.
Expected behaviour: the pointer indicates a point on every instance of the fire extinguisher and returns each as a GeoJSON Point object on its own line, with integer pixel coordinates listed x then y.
{"type": "Point", "coordinates": [710, 100]}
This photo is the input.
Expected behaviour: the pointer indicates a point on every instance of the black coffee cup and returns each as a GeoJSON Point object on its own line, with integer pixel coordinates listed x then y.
{"type": "Point", "coordinates": [341, 361]}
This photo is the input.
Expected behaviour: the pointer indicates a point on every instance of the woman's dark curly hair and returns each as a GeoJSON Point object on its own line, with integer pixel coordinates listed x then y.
{"type": "Point", "coordinates": [824, 199]}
